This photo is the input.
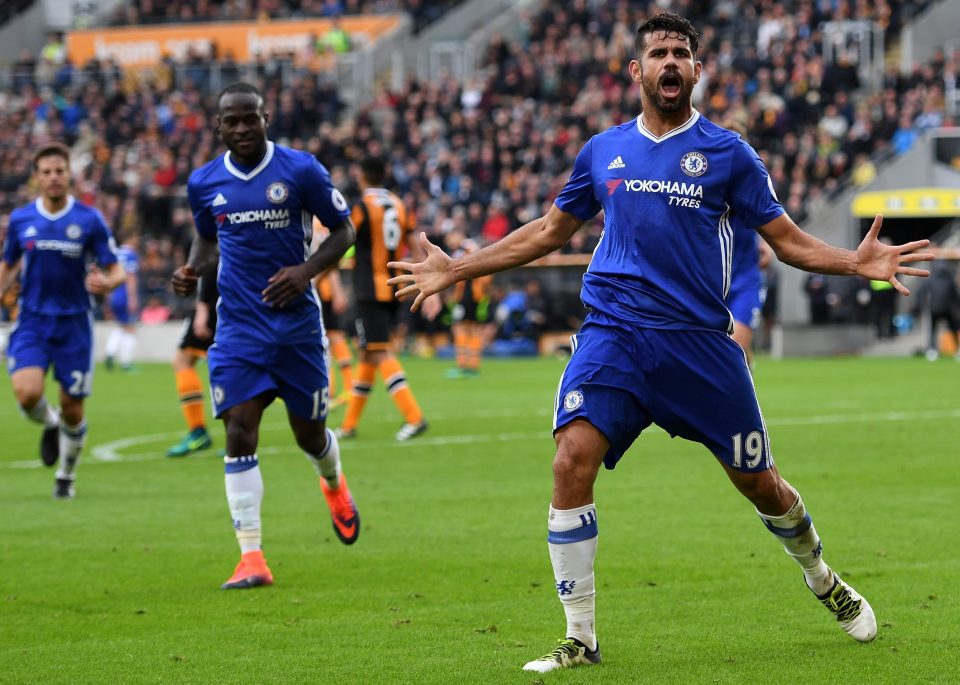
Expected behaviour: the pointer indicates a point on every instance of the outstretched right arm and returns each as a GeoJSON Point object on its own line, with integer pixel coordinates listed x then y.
{"type": "Point", "coordinates": [529, 242]}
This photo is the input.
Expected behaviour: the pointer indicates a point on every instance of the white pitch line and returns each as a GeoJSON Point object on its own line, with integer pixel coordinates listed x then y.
{"type": "Point", "coordinates": [108, 452]}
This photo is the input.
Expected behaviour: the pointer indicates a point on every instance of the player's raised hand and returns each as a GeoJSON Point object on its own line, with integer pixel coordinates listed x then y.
{"type": "Point", "coordinates": [285, 286]}
{"type": "Point", "coordinates": [95, 282]}
{"type": "Point", "coordinates": [433, 275]}
{"type": "Point", "coordinates": [880, 262]}
{"type": "Point", "coordinates": [185, 280]}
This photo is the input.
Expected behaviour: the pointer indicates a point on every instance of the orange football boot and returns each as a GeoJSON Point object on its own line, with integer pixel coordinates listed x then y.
{"type": "Point", "coordinates": [346, 518]}
{"type": "Point", "coordinates": [252, 571]}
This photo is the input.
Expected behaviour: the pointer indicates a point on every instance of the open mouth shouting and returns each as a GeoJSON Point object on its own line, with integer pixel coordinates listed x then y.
{"type": "Point", "coordinates": [671, 85]}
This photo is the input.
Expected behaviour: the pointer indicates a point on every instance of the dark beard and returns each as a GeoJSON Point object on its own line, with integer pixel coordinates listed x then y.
{"type": "Point", "coordinates": [686, 92]}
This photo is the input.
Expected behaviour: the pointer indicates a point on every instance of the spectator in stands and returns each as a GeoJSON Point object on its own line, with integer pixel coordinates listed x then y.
{"type": "Point", "coordinates": [337, 39]}
{"type": "Point", "coordinates": [932, 115]}
{"type": "Point", "coordinates": [906, 134]}
{"type": "Point", "coordinates": [864, 171]}
{"type": "Point", "coordinates": [816, 288]}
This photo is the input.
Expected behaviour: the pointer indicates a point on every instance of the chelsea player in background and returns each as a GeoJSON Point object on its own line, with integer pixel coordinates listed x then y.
{"type": "Point", "coordinates": [655, 346]}
{"type": "Point", "coordinates": [125, 305]}
{"type": "Point", "coordinates": [52, 239]}
{"type": "Point", "coordinates": [257, 201]}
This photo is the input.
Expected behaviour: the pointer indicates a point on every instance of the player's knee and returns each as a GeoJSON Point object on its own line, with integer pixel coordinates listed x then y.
{"type": "Point", "coordinates": [313, 441]}
{"type": "Point", "coordinates": [571, 465]}
{"type": "Point", "coordinates": [241, 437]}
{"type": "Point", "coordinates": [27, 394]}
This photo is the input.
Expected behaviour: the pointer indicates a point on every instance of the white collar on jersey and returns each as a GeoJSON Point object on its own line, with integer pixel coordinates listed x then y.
{"type": "Point", "coordinates": [673, 132]}
{"type": "Point", "coordinates": [260, 167]}
{"type": "Point", "coordinates": [71, 200]}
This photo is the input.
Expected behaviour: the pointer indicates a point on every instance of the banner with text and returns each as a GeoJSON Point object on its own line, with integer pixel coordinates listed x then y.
{"type": "Point", "coordinates": [145, 46]}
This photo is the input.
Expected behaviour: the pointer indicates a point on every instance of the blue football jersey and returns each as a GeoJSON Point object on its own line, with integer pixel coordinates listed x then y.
{"type": "Point", "coordinates": [130, 262]}
{"type": "Point", "coordinates": [664, 259]}
{"type": "Point", "coordinates": [55, 249]}
{"type": "Point", "coordinates": [263, 219]}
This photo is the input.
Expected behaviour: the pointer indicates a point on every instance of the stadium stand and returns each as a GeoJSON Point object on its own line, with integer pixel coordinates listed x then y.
{"type": "Point", "coordinates": [484, 156]}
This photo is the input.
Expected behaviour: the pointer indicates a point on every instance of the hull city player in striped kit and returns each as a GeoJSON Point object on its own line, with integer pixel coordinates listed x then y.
{"type": "Point", "coordinates": [384, 226]}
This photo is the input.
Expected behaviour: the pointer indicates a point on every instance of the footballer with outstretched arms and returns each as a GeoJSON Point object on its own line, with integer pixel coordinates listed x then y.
{"type": "Point", "coordinates": [655, 347]}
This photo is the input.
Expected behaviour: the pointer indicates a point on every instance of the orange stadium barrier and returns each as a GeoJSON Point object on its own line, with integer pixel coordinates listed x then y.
{"type": "Point", "coordinates": [147, 46]}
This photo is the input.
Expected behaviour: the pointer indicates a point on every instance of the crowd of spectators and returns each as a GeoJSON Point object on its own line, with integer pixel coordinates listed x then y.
{"type": "Point", "coordinates": [483, 157]}
{"type": "Point", "coordinates": [423, 12]}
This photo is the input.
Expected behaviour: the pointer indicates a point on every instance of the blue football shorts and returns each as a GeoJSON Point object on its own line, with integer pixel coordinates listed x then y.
{"type": "Point", "coordinates": [746, 303]}
{"type": "Point", "coordinates": [692, 383]}
{"type": "Point", "coordinates": [121, 308]}
{"type": "Point", "coordinates": [297, 374]}
{"type": "Point", "coordinates": [64, 341]}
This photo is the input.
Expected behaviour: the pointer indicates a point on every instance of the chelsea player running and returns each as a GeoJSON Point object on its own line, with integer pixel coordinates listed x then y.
{"type": "Point", "coordinates": [747, 291]}
{"type": "Point", "coordinates": [655, 347]}
{"type": "Point", "coordinates": [52, 239]}
{"type": "Point", "coordinates": [257, 201]}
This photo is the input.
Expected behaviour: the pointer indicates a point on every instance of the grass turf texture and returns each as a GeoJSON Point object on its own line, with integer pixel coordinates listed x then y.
{"type": "Point", "coordinates": [450, 580]}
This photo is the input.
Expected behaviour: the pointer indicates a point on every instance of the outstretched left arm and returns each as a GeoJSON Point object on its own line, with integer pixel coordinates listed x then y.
{"type": "Point", "coordinates": [872, 259]}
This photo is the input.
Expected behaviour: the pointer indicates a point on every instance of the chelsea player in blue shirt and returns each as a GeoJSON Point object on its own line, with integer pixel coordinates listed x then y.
{"type": "Point", "coordinates": [52, 240]}
{"type": "Point", "coordinates": [655, 347]}
{"type": "Point", "coordinates": [257, 201]}
{"type": "Point", "coordinates": [747, 290]}
{"type": "Point", "coordinates": [125, 305]}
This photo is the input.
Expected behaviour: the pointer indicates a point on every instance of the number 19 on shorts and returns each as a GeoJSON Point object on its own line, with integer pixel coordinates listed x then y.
{"type": "Point", "coordinates": [752, 445]}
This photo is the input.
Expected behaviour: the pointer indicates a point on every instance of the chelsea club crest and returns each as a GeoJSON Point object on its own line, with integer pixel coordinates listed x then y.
{"type": "Point", "coordinates": [573, 400]}
{"type": "Point", "coordinates": [74, 231]}
{"type": "Point", "coordinates": [277, 193]}
{"type": "Point", "coordinates": [693, 164]}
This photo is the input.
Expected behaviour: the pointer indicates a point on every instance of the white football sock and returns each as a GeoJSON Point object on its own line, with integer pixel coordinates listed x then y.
{"type": "Point", "coordinates": [128, 343]}
{"type": "Point", "coordinates": [43, 412]}
{"type": "Point", "coordinates": [795, 531]}
{"type": "Point", "coordinates": [113, 342]}
{"type": "Point", "coordinates": [572, 540]}
{"type": "Point", "coordinates": [244, 485]}
{"type": "Point", "coordinates": [71, 445]}
{"type": "Point", "coordinates": [327, 463]}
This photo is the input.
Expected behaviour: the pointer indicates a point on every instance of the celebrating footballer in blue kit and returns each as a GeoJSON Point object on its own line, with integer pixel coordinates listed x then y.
{"type": "Point", "coordinates": [53, 240]}
{"type": "Point", "coordinates": [655, 347]}
{"type": "Point", "coordinates": [257, 202]}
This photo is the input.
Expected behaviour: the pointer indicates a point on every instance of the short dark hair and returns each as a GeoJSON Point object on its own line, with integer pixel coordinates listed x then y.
{"type": "Point", "coordinates": [51, 150]}
{"type": "Point", "coordinates": [374, 170]}
{"type": "Point", "coordinates": [238, 87]}
{"type": "Point", "coordinates": [670, 24]}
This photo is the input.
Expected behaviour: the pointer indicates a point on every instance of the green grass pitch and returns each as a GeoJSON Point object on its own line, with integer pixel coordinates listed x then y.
{"type": "Point", "coordinates": [450, 581]}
